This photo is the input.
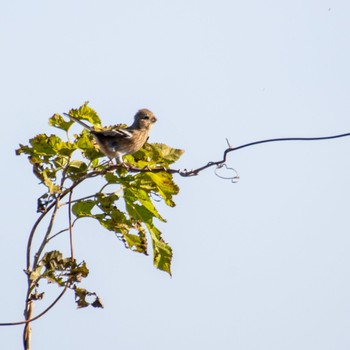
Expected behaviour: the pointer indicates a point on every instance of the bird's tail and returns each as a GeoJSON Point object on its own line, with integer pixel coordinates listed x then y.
{"type": "Point", "coordinates": [79, 122]}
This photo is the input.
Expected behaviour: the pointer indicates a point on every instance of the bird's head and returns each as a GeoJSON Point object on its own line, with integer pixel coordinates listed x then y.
{"type": "Point", "coordinates": [144, 119]}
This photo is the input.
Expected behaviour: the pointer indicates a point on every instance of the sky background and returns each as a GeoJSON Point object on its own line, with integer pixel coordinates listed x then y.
{"type": "Point", "coordinates": [262, 264]}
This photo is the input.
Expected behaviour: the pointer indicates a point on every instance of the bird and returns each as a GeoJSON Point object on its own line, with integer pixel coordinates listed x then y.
{"type": "Point", "coordinates": [120, 142]}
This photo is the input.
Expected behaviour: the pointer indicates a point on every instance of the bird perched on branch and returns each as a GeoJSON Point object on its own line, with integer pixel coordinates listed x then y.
{"type": "Point", "coordinates": [117, 143]}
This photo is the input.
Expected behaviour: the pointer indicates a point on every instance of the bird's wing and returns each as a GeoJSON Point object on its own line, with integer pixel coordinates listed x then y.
{"type": "Point", "coordinates": [121, 133]}
{"type": "Point", "coordinates": [124, 133]}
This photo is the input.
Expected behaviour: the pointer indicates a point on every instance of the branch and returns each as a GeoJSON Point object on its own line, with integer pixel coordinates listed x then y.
{"type": "Point", "coordinates": [70, 225]}
{"type": "Point", "coordinates": [219, 163]}
{"type": "Point", "coordinates": [41, 314]}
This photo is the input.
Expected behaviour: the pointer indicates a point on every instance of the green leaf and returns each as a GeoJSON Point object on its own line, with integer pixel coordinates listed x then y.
{"type": "Point", "coordinates": [138, 194]}
{"type": "Point", "coordinates": [111, 178]}
{"type": "Point", "coordinates": [154, 154]}
{"type": "Point", "coordinates": [77, 166]}
{"type": "Point", "coordinates": [137, 243]}
{"type": "Point", "coordinates": [77, 272]}
{"type": "Point", "coordinates": [60, 270]}
{"type": "Point", "coordinates": [119, 218]}
{"type": "Point", "coordinates": [53, 260]}
{"type": "Point", "coordinates": [59, 122]}
{"type": "Point", "coordinates": [24, 149]}
{"type": "Point", "coordinates": [64, 148]}
{"type": "Point", "coordinates": [89, 149]}
{"type": "Point", "coordinates": [116, 221]}
{"type": "Point", "coordinates": [51, 186]}
{"type": "Point", "coordinates": [135, 210]}
{"type": "Point", "coordinates": [94, 163]}
{"type": "Point", "coordinates": [168, 154]}
{"type": "Point", "coordinates": [164, 185]}
{"type": "Point", "coordinates": [83, 208]}
{"type": "Point", "coordinates": [87, 113]}
{"type": "Point", "coordinates": [76, 169]}
{"type": "Point", "coordinates": [47, 146]}
{"type": "Point", "coordinates": [43, 144]}
{"type": "Point", "coordinates": [162, 252]}
{"type": "Point", "coordinates": [106, 202]}
{"type": "Point", "coordinates": [36, 274]}
{"type": "Point", "coordinates": [81, 296]}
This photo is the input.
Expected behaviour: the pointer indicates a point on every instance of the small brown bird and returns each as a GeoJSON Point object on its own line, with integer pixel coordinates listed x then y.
{"type": "Point", "coordinates": [118, 143]}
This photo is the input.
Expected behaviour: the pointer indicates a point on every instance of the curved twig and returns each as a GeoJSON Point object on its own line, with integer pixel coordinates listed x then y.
{"type": "Point", "coordinates": [70, 225]}
{"type": "Point", "coordinates": [41, 314]}
{"type": "Point", "coordinates": [193, 172]}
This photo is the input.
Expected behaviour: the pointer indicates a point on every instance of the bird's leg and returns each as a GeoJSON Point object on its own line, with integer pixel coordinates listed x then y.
{"type": "Point", "coordinates": [147, 168]}
{"type": "Point", "coordinates": [120, 161]}
{"type": "Point", "coordinates": [124, 165]}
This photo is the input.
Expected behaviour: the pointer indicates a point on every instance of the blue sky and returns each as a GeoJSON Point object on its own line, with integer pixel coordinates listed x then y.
{"type": "Point", "coordinates": [262, 264]}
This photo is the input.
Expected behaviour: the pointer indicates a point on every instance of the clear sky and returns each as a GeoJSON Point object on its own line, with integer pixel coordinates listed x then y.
{"type": "Point", "coordinates": [262, 264]}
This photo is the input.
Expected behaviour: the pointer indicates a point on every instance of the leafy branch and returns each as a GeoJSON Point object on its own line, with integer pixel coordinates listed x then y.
{"type": "Point", "coordinates": [129, 210]}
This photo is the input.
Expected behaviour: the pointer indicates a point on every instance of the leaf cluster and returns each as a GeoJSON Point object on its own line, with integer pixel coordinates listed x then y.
{"type": "Point", "coordinates": [129, 210]}
{"type": "Point", "coordinates": [56, 269]}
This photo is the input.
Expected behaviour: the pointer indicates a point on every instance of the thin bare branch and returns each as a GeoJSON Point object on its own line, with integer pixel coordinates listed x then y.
{"type": "Point", "coordinates": [70, 225]}
{"type": "Point", "coordinates": [41, 314]}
